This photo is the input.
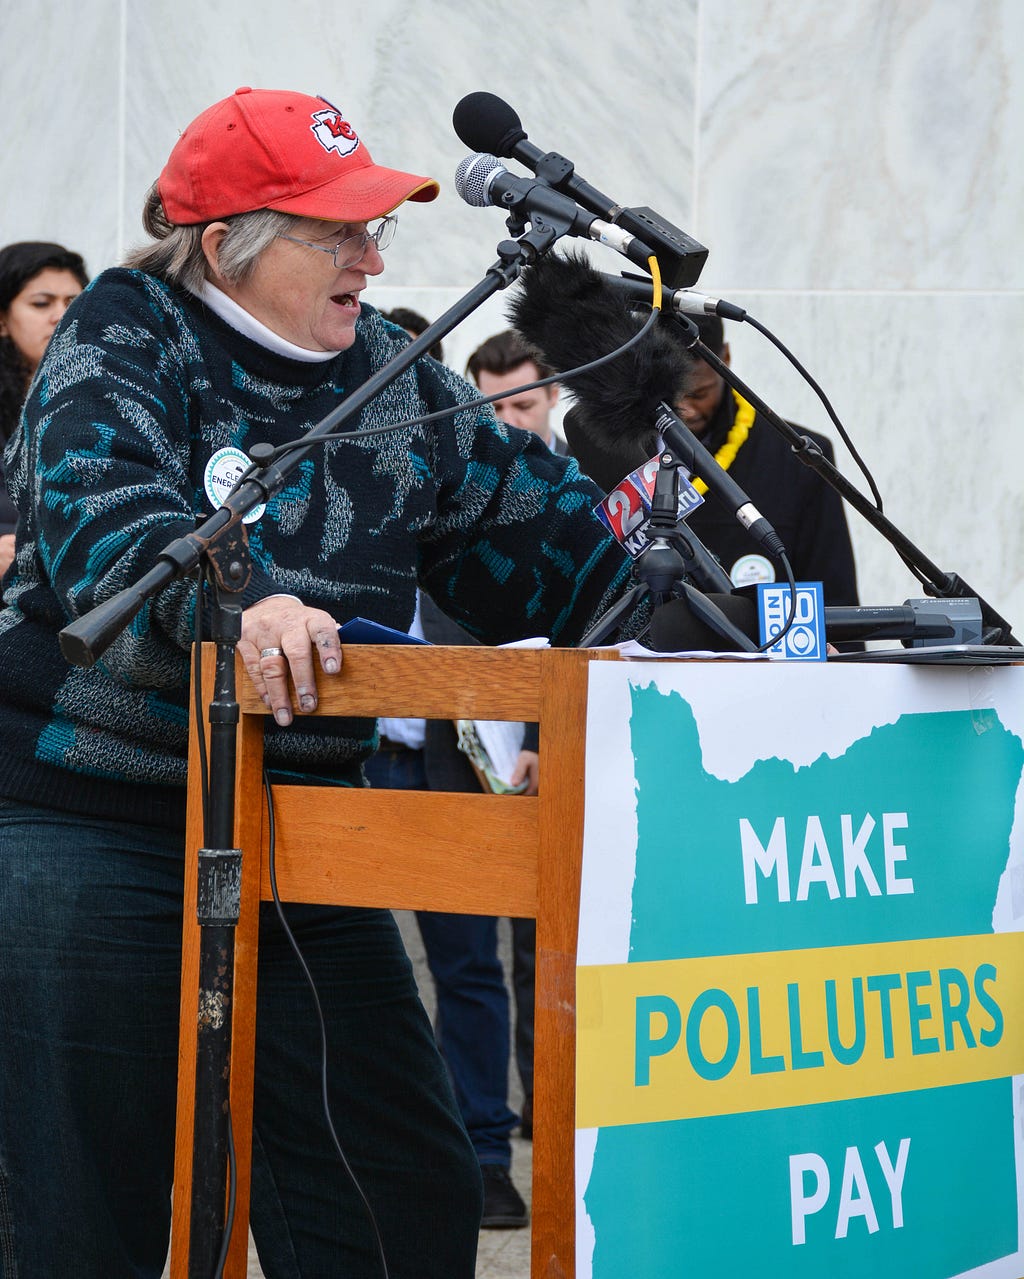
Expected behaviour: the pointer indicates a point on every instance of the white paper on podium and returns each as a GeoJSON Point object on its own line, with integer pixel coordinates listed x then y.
{"type": "Point", "coordinates": [533, 641]}
{"type": "Point", "coordinates": [631, 649]}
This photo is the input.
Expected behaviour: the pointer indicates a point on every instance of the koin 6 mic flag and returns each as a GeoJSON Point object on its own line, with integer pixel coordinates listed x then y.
{"type": "Point", "coordinates": [804, 639]}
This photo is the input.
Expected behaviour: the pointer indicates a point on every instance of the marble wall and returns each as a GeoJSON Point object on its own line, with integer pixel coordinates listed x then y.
{"type": "Point", "coordinates": [851, 168]}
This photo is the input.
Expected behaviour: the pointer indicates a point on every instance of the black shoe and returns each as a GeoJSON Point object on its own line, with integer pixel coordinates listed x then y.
{"type": "Point", "coordinates": [526, 1121]}
{"type": "Point", "coordinates": [503, 1205]}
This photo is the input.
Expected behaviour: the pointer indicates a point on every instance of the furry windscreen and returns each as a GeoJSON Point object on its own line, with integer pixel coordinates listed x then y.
{"type": "Point", "coordinates": [566, 311]}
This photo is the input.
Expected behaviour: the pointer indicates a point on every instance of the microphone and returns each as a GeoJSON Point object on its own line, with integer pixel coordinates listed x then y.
{"type": "Point", "coordinates": [565, 309]}
{"type": "Point", "coordinates": [682, 301]}
{"type": "Point", "coordinates": [699, 461]}
{"type": "Point", "coordinates": [676, 627]}
{"type": "Point", "coordinates": [485, 122]}
{"type": "Point", "coordinates": [919, 623]}
{"type": "Point", "coordinates": [482, 179]}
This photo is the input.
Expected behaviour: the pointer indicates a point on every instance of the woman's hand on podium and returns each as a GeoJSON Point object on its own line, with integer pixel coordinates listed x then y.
{"type": "Point", "coordinates": [279, 636]}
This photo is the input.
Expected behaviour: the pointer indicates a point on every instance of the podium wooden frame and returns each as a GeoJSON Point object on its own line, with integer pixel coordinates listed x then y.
{"type": "Point", "coordinates": [474, 854]}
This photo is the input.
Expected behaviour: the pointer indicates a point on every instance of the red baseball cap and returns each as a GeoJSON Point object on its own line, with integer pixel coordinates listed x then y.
{"type": "Point", "coordinates": [271, 149]}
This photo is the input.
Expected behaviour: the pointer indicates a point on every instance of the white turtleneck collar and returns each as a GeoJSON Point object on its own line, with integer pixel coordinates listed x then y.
{"type": "Point", "coordinates": [240, 319]}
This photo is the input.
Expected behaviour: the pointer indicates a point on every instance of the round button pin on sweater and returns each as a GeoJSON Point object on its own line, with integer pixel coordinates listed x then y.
{"type": "Point", "coordinates": [223, 471]}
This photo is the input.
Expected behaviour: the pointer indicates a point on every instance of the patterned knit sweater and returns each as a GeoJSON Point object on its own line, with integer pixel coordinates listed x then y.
{"type": "Point", "coordinates": [141, 384]}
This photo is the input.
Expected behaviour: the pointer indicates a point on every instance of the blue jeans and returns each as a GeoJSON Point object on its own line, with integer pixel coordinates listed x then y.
{"type": "Point", "coordinates": [90, 937]}
{"type": "Point", "coordinates": [472, 1000]}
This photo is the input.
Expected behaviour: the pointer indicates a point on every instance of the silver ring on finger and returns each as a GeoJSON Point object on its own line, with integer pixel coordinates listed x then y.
{"type": "Point", "coordinates": [271, 652]}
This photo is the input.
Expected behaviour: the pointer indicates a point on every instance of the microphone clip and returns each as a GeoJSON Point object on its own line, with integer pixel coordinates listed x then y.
{"type": "Point", "coordinates": [665, 499]}
{"type": "Point", "coordinates": [660, 565]}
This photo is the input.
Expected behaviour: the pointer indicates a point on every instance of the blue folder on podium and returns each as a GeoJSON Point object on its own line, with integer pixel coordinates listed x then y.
{"type": "Point", "coordinates": [360, 630]}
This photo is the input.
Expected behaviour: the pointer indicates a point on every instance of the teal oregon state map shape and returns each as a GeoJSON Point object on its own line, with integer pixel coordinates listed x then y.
{"type": "Point", "coordinates": [711, 1196]}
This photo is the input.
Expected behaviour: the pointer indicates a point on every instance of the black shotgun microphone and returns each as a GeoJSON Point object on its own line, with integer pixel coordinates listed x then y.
{"type": "Point", "coordinates": [682, 301]}
{"type": "Point", "coordinates": [564, 309]}
{"type": "Point", "coordinates": [485, 122]}
{"type": "Point", "coordinates": [482, 179]}
{"type": "Point", "coordinates": [700, 461]}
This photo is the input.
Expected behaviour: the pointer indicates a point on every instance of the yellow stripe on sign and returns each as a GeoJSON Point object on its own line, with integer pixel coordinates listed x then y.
{"type": "Point", "coordinates": [727, 1034]}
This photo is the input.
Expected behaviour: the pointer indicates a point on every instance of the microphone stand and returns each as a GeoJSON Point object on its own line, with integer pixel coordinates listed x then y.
{"type": "Point", "coordinates": [220, 544]}
{"type": "Point", "coordinates": [662, 566]}
{"type": "Point", "coordinates": [936, 582]}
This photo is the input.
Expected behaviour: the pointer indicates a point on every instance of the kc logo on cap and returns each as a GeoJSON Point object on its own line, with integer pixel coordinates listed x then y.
{"type": "Point", "coordinates": [333, 132]}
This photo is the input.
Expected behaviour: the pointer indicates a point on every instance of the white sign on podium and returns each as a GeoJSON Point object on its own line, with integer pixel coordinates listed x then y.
{"type": "Point", "coordinates": [801, 972]}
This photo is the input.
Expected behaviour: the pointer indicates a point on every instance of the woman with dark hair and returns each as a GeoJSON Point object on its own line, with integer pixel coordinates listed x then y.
{"type": "Point", "coordinates": [38, 282]}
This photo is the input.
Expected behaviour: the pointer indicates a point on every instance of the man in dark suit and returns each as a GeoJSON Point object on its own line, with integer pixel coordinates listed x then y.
{"type": "Point", "coordinates": [503, 363]}
{"type": "Point", "coordinates": [472, 1020]}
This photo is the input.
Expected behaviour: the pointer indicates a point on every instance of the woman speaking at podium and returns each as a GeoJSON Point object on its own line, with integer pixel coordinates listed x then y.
{"type": "Point", "coordinates": [239, 322]}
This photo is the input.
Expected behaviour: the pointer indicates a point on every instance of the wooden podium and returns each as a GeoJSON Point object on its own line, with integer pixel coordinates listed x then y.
{"type": "Point", "coordinates": [473, 854]}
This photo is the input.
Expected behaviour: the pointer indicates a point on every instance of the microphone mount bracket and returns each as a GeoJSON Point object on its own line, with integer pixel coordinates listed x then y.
{"type": "Point", "coordinates": [666, 568]}
{"type": "Point", "coordinates": [555, 170]}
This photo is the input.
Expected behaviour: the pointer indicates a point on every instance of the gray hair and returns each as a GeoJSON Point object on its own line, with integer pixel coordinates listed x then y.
{"type": "Point", "coordinates": [176, 252]}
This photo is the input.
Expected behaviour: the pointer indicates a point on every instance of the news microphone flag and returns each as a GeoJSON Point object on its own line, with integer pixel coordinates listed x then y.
{"type": "Point", "coordinates": [805, 639]}
{"type": "Point", "coordinates": [626, 510]}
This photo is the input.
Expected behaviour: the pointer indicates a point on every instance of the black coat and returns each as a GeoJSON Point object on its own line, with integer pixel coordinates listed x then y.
{"type": "Point", "coordinates": [446, 766]}
{"type": "Point", "coordinates": [806, 513]}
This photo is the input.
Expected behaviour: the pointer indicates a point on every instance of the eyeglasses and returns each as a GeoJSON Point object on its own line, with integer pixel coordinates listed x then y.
{"type": "Point", "coordinates": [352, 249]}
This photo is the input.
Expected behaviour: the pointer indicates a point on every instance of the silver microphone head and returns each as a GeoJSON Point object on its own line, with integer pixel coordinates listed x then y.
{"type": "Point", "coordinates": [474, 175]}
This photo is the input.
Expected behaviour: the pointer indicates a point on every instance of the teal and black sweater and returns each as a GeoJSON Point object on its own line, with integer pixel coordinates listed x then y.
{"type": "Point", "coordinates": [141, 384]}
